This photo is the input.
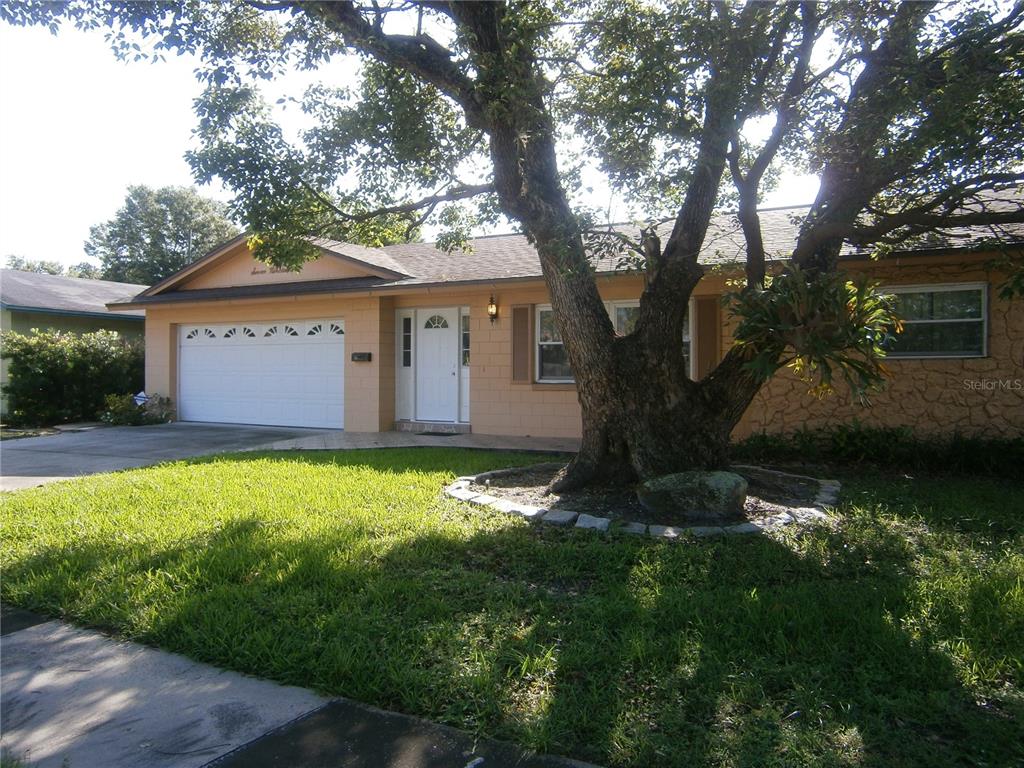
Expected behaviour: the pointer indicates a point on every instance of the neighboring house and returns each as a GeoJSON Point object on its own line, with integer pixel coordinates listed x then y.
{"type": "Point", "coordinates": [374, 339]}
{"type": "Point", "coordinates": [34, 300]}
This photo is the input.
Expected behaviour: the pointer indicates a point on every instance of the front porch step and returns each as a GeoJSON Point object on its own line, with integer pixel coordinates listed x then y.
{"type": "Point", "coordinates": [434, 427]}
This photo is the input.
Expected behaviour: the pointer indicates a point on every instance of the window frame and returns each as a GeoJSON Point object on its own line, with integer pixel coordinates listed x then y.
{"type": "Point", "coordinates": [945, 288]}
{"type": "Point", "coordinates": [610, 307]}
{"type": "Point", "coordinates": [405, 339]}
{"type": "Point", "coordinates": [465, 339]}
{"type": "Point", "coordinates": [537, 345]}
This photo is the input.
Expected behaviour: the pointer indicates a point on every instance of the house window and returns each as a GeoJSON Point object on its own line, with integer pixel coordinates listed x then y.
{"type": "Point", "coordinates": [435, 321]}
{"type": "Point", "coordinates": [625, 317]}
{"type": "Point", "coordinates": [552, 362]}
{"type": "Point", "coordinates": [465, 339]}
{"type": "Point", "coordinates": [940, 321]}
{"type": "Point", "coordinates": [686, 344]}
{"type": "Point", "coordinates": [407, 342]}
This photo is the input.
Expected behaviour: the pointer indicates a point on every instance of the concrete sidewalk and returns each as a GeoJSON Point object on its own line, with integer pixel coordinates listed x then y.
{"type": "Point", "coordinates": [75, 698]}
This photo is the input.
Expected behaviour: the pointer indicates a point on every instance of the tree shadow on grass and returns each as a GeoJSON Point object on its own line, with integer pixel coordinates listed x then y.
{"type": "Point", "coordinates": [985, 506]}
{"type": "Point", "coordinates": [745, 651]}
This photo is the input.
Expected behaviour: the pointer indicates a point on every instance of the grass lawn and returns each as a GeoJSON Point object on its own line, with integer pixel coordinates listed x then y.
{"type": "Point", "coordinates": [897, 639]}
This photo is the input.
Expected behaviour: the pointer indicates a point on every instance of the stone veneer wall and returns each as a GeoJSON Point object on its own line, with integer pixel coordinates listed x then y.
{"type": "Point", "coordinates": [973, 396]}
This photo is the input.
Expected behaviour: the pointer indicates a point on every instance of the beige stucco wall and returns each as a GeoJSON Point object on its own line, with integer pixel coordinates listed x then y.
{"type": "Point", "coordinates": [242, 269]}
{"type": "Point", "coordinates": [498, 406]}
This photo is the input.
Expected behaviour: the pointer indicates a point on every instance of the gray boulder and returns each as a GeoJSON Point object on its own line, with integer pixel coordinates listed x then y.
{"type": "Point", "coordinates": [696, 496]}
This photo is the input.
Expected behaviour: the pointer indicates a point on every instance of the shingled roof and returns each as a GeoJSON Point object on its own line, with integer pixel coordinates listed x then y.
{"type": "Point", "coordinates": [499, 257]}
{"type": "Point", "coordinates": [40, 292]}
{"type": "Point", "coordinates": [512, 257]}
{"type": "Point", "coordinates": [373, 257]}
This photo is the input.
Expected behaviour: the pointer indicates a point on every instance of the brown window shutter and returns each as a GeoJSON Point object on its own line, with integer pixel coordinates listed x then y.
{"type": "Point", "coordinates": [707, 319]}
{"type": "Point", "coordinates": [522, 343]}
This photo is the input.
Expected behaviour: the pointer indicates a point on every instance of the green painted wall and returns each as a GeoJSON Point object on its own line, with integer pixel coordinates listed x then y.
{"type": "Point", "coordinates": [25, 322]}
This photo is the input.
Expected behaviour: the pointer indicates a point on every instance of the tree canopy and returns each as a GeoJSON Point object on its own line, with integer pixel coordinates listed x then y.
{"type": "Point", "coordinates": [83, 269]}
{"type": "Point", "coordinates": [157, 232]}
{"type": "Point", "coordinates": [455, 114]}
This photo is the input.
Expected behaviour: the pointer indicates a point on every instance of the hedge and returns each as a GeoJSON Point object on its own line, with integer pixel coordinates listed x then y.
{"type": "Point", "coordinates": [890, 448]}
{"type": "Point", "coordinates": [56, 377]}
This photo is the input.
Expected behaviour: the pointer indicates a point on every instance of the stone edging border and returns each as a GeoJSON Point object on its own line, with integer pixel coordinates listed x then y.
{"type": "Point", "coordinates": [827, 496]}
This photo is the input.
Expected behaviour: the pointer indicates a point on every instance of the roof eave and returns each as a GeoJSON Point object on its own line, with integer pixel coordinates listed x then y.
{"type": "Point", "coordinates": [69, 312]}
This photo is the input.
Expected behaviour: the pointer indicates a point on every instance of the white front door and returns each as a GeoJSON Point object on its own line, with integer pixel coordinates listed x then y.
{"type": "Point", "coordinates": [437, 364]}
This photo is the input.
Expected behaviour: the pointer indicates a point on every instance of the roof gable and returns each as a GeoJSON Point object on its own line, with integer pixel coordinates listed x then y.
{"type": "Point", "coordinates": [232, 265]}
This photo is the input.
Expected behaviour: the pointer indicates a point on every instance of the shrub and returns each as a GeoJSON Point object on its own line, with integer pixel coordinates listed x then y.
{"type": "Point", "coordinates": [58, 376]}
{"type": "Point", "coordinates": [895, 448]}
{"type": "Point", "coordinates": [122, 410]}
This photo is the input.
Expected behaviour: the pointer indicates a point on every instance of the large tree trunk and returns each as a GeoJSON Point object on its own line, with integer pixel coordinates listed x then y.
{"type": "Point", "coordinates": [643, 417]}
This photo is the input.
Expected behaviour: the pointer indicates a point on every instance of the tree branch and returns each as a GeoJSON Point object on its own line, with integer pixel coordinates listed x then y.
{"type": "Point", "coordinates": [917, 223]}
{"type": "Point", "coordinates": [627, 242]}
{"type": "Point", "coordinates": [419, 54]}
{"type": "Point", "coordinates": [852, 176]}
{"type": "Point", "coordinates": [461, 192]}
{"type": "Point", "coordinates": [748, 185]}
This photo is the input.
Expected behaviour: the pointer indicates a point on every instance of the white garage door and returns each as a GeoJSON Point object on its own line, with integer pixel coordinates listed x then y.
{"type": "Point", "coordinates": [285, 373]}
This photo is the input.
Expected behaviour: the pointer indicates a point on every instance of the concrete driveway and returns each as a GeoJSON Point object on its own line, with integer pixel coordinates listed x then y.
{"type": "Point", "coordinates": [34, 461]}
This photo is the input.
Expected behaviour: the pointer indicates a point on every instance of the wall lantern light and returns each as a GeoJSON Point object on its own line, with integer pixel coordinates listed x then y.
{"type": "Point", "coordinates": [492, 309]}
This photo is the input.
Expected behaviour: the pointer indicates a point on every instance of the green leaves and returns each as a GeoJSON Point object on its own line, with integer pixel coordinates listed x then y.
{"type": "Point", "coordinates": [822, 328]}
{"type": "Point", "coordinates": [59, 376]}
{"type": "Point", "coordinates": [157, 232]}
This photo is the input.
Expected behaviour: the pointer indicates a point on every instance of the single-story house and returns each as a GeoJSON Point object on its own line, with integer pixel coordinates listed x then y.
{"type": "Point", "coordinates": [37, 301]}
{"type": "Point", "coordinates": [408, 337]}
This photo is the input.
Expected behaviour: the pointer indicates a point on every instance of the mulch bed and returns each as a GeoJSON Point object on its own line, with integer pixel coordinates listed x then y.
{"type": "Point", "coordinates": [768, 495]}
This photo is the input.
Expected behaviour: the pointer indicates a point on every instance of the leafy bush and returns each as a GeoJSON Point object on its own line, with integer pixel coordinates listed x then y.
{"type": "Point", "coordinates": [888, 447]}
{"type": "Point", "coordinates": [122, 410]}
{"type": "Point", "coordinates": [822, 327]}
{"type": "Point", "coordinates": [58, 376]}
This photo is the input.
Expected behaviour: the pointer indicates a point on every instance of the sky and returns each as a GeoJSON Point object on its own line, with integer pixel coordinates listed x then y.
{"type": "Point", "coordinates": [77, 127]}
